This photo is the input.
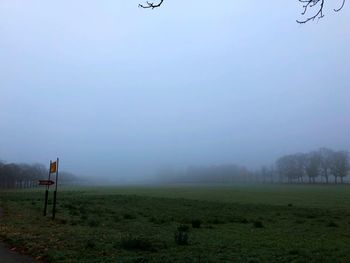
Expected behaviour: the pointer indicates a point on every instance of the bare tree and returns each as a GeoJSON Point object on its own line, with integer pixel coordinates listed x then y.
{"type": "Point", "coordinates": [325, 162]}
{"type": "Point", "coordinates": [291, 167]}
{"type": "Point", "coordinates": [340, 165]}
{"type": "Point", "coordinates": [312, 165]}
{"type": "Point", "coordinates": [308, 6]}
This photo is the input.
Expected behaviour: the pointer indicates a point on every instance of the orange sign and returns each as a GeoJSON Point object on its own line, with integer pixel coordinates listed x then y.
{"type": "Point", "coordinates": [53, 167]}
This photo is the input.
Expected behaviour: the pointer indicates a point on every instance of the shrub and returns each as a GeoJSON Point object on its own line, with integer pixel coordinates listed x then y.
{"type": "Point", "coordinates": [253, 260]}
{"type": "Point", "coordinates": [93, 222]}
{"type": "Point", "coordinates": [332, 224]}
{"type": "Point", "coordinates": [183, 228]}
{"type": "Point", "coordinates": [216, 221]}
{"type": "Point", "coordinates": [74, 222]}
{"type": "Point", "coordinates": [298, 221]}
{"type": "Point", "coordinates": [129, 216]}
{"type": "Point", "coordinates": [244, 221]}
{"type": "Point", "coordinates": [116, 218]}
{"type": "Point", "coordinates": [156, 220]}
{"type": "Point", "coordinates": [293, 252]}
{"type": "Point", "coordinates": [62, 221]}
{"type": "Point", "coordinates": [311, 216]}
{"type": "Point", "coordinates": [258, 224]}
{"type": "Point", "coordinates": [130, 242]}
{"type": "Point", "coordinates": [82, 210]}
{"type": "Point", "coordinates": [73, 212]}
{"type": "Point", "coordinates": [90, 243]}
{"type": "Point", "coordinates": [141, 260]}
{"type": "Point", "coordinates": [196, 223]}
{"type": "Point", "coordinates": [181, 235]}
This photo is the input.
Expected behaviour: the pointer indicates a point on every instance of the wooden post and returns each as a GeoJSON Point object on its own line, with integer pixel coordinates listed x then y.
{"type": "Point", "coordinates": [45, 204]}
{"type": "Point", "coordinates": [47, 192]}
{"type": "Point", "coordinates": [55, 192]}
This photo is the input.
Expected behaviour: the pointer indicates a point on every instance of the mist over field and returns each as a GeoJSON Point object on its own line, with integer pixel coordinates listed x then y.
{"type": "Point", "coordinates": [174, 131]}
{"type": "Point", "coordinates": [122, 93]}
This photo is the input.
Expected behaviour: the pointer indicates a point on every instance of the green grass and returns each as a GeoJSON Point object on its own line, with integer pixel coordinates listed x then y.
{"type": "Point", "coordinates": [140, 224]}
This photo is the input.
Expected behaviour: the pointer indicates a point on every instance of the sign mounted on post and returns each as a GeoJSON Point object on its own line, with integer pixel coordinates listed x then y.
{"type": "Point", "coordinates": [53, 168]}
{"type": "Point", "coordinates": [46, 182]}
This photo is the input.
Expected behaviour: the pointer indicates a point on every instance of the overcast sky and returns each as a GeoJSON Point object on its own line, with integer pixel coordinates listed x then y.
{"type": "Point", "coordinates": [113, 89]}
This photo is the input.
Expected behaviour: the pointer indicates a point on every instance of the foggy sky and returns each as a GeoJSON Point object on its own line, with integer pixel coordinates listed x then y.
{"type": "Point", "coordinates": [115, 90]}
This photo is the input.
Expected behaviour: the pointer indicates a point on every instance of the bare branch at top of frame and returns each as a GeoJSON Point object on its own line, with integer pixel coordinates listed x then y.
{"type": "Point", "coordinates": [151, 5]}
{"type": "Point", "coordinates": [341, 7]}
{"type": "Point", "coordinates": [308, 6]}
{"type": "Point", "coordinates": [318, 5]}
{"type": "Point", "coordinates": [312, 4]}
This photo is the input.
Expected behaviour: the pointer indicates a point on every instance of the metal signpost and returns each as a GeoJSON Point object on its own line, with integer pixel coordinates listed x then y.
{"type": "Point", "coordinates": [53, 169]}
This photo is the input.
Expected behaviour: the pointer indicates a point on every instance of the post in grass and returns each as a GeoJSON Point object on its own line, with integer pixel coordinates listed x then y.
{"type": "Point", "coordinates": [52, 169]}
{"type": "Point", "coordinates": [47, 189]}
{"type": "Point", "coordinates": [55, 192]}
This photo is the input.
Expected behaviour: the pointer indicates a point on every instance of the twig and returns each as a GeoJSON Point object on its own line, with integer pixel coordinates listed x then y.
{"type": "Point", "coordinates": [340, 8]}
{"type": "Point", "coordinates": [151, 5]}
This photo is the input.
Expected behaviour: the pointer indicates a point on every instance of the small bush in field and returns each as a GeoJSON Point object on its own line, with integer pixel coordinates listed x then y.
{"type": "Point", "coordinates": [196, 223]}
{"type": "Point", "coordinates": [258, 224]}
{"type": "Point", "coordinates": [93, 222]}
{"type": "Point", "coordinates": [217, 221]}
{"type": "Point", "coordinates": [90, 243]}
{"type": "Point", "coordinates": [181, 235]}
{"type": "Point", "coordinates": [183, 227]}
{"type": "Point", "coordinates": [141, 260]}
{"type": "Point", "coordinates": [311, 216]}
{"type": "Point", "coordinates": [244, 221]}
{"type": "Point", "coordinates": [82, 209]}
{"type": "Point", "coordinates": [293, 252]}
{"type": "Point", "coordinates": [62, 221]}
{"type": "Point", "coordinates": [253, 260]}
{"type": "Point", "coordinates": [116, 218]}
{"type": "Point", "coordinates": [130, 242]}
{"type": "Point", "coordinates": [74, 222]}
{"type": "Point", "coordinates": [332, 224]}
{"type": "Point", "coordinates": [158, 220]}
{"type": "Point", "coordinates": [129, 216]}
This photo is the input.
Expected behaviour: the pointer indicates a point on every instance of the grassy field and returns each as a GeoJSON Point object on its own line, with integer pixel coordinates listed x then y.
{"type": "Point", "coordinates": [278, 223]}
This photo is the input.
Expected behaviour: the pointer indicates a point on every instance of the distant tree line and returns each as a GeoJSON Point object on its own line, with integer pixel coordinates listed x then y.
{"type": "Point", "coordinates": [14, 175]}
{"type": "Point", "coordinates": [314, 167]}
